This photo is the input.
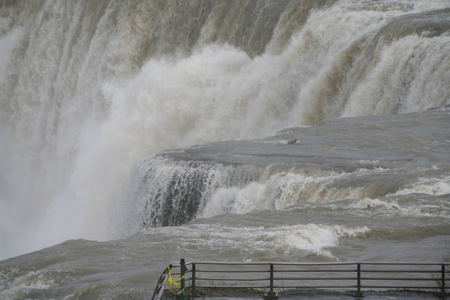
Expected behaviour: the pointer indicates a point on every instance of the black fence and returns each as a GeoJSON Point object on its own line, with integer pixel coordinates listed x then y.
{"type": "Point", "coordinates": [272, 278]}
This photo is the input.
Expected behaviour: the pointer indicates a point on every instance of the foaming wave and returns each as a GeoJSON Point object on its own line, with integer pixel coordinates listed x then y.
{"type": "Point", "coordinates": [385, 208]}
{"type": "Point", "coordinates": [17, 286]}
{"type": "Point", "coordinates": [430, 186]}
{"type": "Point", "coordinates": [279, 191]}
{"type": "Point", "coordinates": [369, 204]}
{"type": "Point", "coordinates": [294, 240]}
{"type": "Point", "coordinates": [282, 190]}
{"type": "Point", "coordinates": [314, 238]}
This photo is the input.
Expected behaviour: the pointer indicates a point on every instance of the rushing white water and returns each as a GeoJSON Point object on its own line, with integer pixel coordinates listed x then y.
{"type": "Point", "coordinates": [362, 158]}
{"type": "Point", "coordinates": [89, 88]}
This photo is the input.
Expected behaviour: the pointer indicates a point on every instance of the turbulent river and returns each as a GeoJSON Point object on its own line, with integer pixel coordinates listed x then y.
{"type": "Point", "coordinates": [136, 133]}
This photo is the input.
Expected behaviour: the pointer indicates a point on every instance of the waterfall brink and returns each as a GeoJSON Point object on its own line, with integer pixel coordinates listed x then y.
{"type": "Point", "coordinates": [168, 192]}
{"type": "Point", "coordinates": [323, 164]}
{"type": "Point", "coordinates": [88, 88]}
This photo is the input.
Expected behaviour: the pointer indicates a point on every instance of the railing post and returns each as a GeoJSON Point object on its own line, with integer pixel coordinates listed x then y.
{"type": "Point", "coordinates": [443, 281]}
{"type": "Point", "coordinates": [182, 295]}
{"type": "Point", "coordinates": [358, 293]}
{"type": "Point", "coordinates": [193, 279]}
{"type": "Point", "coordinates": [183, 273]}
{"type": "Point", "coordinates": [271, 294]}
{"type": "Point", "coordinates": [161, 285]}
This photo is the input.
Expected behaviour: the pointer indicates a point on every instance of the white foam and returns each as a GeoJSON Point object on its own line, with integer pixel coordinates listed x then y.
{"type": "Point", "coordinates": [315, 238]}
{"type": "Point", "coordinates": [21, 285]}
{"type": "Point", "coordinates": [430, 186]}
{"type": "Point", "coordinates": [280, 190]}
{"type": "Point", "coordinates": [368, 203]}
{"type": "Point", "coordinates": [300, 239]}
{"type": "Point", "coordinates": [392, 208]}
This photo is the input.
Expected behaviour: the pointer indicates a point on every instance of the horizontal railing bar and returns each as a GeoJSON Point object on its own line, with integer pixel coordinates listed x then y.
{"type": "Point", "coordinates": [231, 279]}
{"type": "Point", "coordinates": [279, 271]}
{"type": "Point", "coordinates": [234, 286]}
{"type": "Point", "coordinates": [400, 271]}
{"type": "Point", "coordinates": [352, 286]}
{"type": "Point", "coordinates": [314, 264]}
{"type": "Point", "coordinates": [403, 263]}
{"type": "Point", "coordinates": [230, 271]}
{"type": "Point", "coordinates": [400, 287]}
{"type": "Point", "coordinates": [399, 278]}
{"type": "Point", "coordinates": [230, 263]}
{"type": "Point", "coordinates": [315, 278]}
{"type": "Point", "coordinates": [268, 263]}
{"type": "Point", "coordinates": [275, 272]}
{"type": "Point", "coordinates": [314, 287]}
{"type": "Point", "coordinates": [331, 278]}
{"type": "Point", "coordinates": [318, 264]}
{"type": "Point", "coordinates": [277, 279]}
{"type": "Point", "coordinates": [313, 271]}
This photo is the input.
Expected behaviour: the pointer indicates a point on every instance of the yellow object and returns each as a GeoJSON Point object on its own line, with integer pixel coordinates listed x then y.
{"type": "Point", "coordinates": [171, 281]}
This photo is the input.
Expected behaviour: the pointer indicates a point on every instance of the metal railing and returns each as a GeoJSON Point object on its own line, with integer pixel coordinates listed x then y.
{"type": "Point", "coordinates": [162, 281]}
{"type": "Point", "coordinates": [274, 277]}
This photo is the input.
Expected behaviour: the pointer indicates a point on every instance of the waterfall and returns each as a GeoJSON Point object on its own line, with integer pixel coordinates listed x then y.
{"type": "Point", "coordinates": [88, 88]}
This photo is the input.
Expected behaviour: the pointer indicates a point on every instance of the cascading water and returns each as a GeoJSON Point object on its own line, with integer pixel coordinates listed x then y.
{"type": "Point", "coordinates": [88, 88]}
{"type": "Point", "coordinates": [171, 193]}
{"type": "Point", "coordinates": [287, 169]}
